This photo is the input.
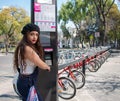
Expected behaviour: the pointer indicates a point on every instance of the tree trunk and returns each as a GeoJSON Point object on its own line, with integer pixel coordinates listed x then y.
{"type": "Point", "coordinates": [6, 45]}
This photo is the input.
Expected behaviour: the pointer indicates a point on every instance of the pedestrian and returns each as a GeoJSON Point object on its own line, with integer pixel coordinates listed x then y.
{"type": "Point", "coordinates": [28, 57]}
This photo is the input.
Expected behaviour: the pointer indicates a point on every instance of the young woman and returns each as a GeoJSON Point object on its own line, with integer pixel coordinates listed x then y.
{"type": "Point", "coordinates": [28, 58]}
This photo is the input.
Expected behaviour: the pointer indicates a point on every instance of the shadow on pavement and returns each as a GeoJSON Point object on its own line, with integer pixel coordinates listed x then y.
{"type": "Point", "coordinates": [6, 76]}
{"type": "Point", "coordinates": [104, 84]}
{"type": "Point", "coordinates": [9, 96]}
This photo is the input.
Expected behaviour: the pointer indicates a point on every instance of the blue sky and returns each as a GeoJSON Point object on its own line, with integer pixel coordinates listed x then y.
{"type": "Point", "coordinates": [118, 3]}
{"type": "Point", "coordinates": [59, 3]}
{"type": "Point", "coordinates": [24, 3]}
{"type": "Point", "coordinates": [17, 3]}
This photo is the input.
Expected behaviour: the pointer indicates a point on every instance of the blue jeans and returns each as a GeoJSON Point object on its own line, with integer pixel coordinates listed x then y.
{"type": "Point", "coordinates": [25, 82]}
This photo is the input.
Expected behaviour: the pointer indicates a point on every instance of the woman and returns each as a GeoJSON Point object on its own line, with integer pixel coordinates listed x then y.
{"type": "Point", "coordinates": [28, 58]}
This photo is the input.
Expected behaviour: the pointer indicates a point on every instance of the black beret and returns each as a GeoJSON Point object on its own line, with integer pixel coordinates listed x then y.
{"type": "Point", "coordinates": [30, 27]}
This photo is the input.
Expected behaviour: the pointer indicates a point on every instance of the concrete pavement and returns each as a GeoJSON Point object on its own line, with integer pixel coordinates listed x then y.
{"type": "Point", "coordinates": [103, 85]}
{"type": "Point", "coordinates": [6, 76]}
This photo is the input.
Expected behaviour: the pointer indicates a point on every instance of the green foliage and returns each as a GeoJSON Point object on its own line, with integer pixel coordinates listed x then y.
{"type": "Point", "coordinates": [91, 37]}
{"type": "Point", "coordinates": [12, 20]}
{"type": "Point", "coordinates": [98, 12]}
{"type": "Point", "coordinates": [114, 23]}
{"type": "Point", "coordinates": [0, 32]}
{"type": "Point", "coordinates": [75, 11]}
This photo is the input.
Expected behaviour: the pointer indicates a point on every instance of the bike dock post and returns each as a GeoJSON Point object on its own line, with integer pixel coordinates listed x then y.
{"type": "Point", "coordinates": [83, 67]}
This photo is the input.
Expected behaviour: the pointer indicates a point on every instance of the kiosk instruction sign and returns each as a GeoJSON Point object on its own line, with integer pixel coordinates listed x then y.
{"type": "Point", "coordinates": [45, 16]}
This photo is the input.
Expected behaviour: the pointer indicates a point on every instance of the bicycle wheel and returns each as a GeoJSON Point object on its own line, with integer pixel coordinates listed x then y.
{"type": "Point", "coordinates": [103, 59]}
{"type": "Point", "coordinates": [78, 78]}
{"type": "Point", "coordinates": [92, 66]}
{"type": "Point", "coordinates": [66, 88]}
{"type": "Point", "coordinates": [98, 64]}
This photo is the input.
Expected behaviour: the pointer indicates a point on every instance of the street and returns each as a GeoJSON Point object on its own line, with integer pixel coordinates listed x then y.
{"type": "Point", "coordinates": [6, 76]}
{"type": "Point", "coordinates": [103, 85]}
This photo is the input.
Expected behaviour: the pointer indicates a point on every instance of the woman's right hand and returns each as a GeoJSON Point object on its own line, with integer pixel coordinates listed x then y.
{"type": "Point", "coordinates": [48, 69]}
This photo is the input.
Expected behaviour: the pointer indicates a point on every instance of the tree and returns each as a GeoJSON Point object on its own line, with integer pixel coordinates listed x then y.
{"type": "Point", "coordinates": [65, 31]}
{"type": "Point", "coordinates": [75, 11]}
{"type": "Point", "coordinates": [93, 12]}
{"type": "Point", "coordinates": [11, 21]}
{"type": "Point", "coordinates": [114, 23]}
{"type": "Point", "coordinates": [103, 7]}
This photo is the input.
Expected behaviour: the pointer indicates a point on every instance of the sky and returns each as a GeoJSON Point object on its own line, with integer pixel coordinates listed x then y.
{"type": "Point", "coordinates": [118, 3]}
{"type": "Point", "coordinates": [24, 4]}
{"type": "Point", "coordinates": [17, 3]}
{"type": "Point", "coordinates": [59, 3]}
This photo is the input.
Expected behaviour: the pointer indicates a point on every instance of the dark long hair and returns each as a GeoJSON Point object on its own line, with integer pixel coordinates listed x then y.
{"type": "Point", "coordinates": [19, 57]}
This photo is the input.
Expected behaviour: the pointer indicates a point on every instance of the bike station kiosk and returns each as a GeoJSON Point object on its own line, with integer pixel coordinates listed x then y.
{"type": "Point", "coordinates": [44, 15]}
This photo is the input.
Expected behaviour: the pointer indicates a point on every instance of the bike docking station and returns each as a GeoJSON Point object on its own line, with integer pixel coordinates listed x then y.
{"type": "Point", "coordinates": [44, 15]}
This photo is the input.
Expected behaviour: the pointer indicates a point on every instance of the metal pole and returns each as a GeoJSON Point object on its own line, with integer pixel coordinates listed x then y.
{"type": "Point", "coordinates": [32, 11]}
